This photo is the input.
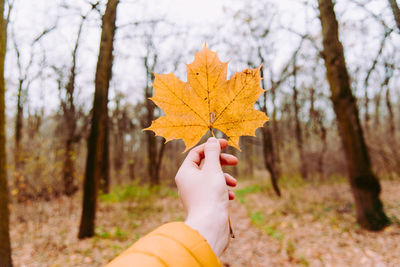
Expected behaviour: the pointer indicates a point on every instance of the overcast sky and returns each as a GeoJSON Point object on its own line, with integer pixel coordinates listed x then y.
{"type": "Point", "coordinates": [202, 21]}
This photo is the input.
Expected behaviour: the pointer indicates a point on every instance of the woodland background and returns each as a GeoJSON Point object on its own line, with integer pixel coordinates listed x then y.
{"type": "Point", "coordinates": [77, 76]}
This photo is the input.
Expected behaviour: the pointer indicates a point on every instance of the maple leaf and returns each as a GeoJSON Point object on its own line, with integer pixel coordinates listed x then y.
{"type": "Point", "coordinates": [207, 101]}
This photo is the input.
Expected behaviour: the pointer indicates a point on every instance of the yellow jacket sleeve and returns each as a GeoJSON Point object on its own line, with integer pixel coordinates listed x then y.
{"type": "Point", "coordinates": [171, 245]}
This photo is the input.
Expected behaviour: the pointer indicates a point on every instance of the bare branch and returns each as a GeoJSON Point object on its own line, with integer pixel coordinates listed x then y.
{"type": "Point", "coordinates": [372, 68]}
{"type": "Point", "coordinates": [375, 16]}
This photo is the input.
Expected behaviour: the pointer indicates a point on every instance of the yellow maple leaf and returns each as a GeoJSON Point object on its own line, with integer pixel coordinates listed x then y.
{"type": "Point", "coordinates": [207, 101]}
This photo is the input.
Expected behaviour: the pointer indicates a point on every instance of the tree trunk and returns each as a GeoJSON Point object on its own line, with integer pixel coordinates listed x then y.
{"type": "Point", "coordinates": [151, 151]}
{"type": "Point", "coordinates": [120, 126]}
{"type": "Point", "coordinates": [99, 120]}
{"type": "Point", "coordinates": [18, 155]}
{"type": "Point", "coordinates": [157, 167]}
{"type": "Point", "coordinates": [275, 133]}
{"type": "Point", "coordinates": [270, 159]}
{"type": "Point", "coordinates": [366, 111]}
{"type": "Point", "coordinates": [154, 151]}
{"type": "Point", "coordinates": [5, 246]}
{"type": "Point", "coordinates": [377, 121]}
{"type": "Point", "coordinates": [131, 156]}
{"type": "Point", "coordinates": [316, 117]}
{"type": "Point", "coordinates": [105, 166]}
{"type": "Point", "coordinates": [234, 152]}
{"type": "Point", "coordinates": [396, 12]}
{"type": "Point", "coordinates": [19, 121]}
{"type": "Point", "coordinates": [322, 134]}
{"type": "Point", "coordinates": [248, 155]}
{"type": "Point", "coordinates": [392, 129]}
{"type": "Point", "coordinates": [299, 134]}
{"type": "Point", "coordinates": [70, 121]}
{"type": "Point", "coordinates": [393, 144]}
{"type": "Point", "coordinates": [364, 184]}
{"type": "Point", "coordinates": [69, 169]}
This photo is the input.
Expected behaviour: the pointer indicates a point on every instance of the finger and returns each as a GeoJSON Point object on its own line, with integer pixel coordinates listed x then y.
{"type": "Point", "coordinates": [212, 151]}
{"type": "Point", "coordinates": [228, 159]}
{"type": "Point", "coordinates": [231, 195]}
{"type": "Point", "coordinates": [230, 181]}
{"type": "Point", "coordinates": [197, 153]}
{"type": "Point", "coordinates": [201, 164]}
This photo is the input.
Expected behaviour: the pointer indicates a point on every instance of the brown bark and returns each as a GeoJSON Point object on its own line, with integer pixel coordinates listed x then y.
{"type": "Point", "coordinates": [121, 126]}
{"type": "Point", "coordinates": [131, 156]}
{"type": "Point", "coordinates": [393, 144]}
{"type": "Point", "coordinates": [377, 99]}
{"type": "Point", "coordinates": [5, 245]}
{"type": "Point", "coordinates": [234, 152]}
{"type": "Point", "coordinates": [69, 169]}
{"type": "Point", "coordinates": [34, 122]}
{"type": "Point", "coordinates": [317, 119]}
{"type": "Point", "coordinates": [155, 148]}
{"type": "Point", "coordinates": [96, 141]}
{"type": "Point", "coordinates": [298, 130]}
{"type": "Point", "coordinates": [119, 117]}
{"type": "Point", "coordinates": [364, 183]}
{"type": "Point", "coordinates": [70, 117]}
{"type": "Point", "coordinates": [18, 154]}
{"type": "Point", "coordinates": [389, 107]}
{"type": "Point", "coordinates": [248, 152]}
{"type": "Point", "coordinates": [396, 12]}
{"type": "Point", "coordinates": [105, 166]}
{"type": "Point", "coordinates": [270, 159]}
{"type": "Point", "coordinates": [275, 131]}
{"type": "Point", "coordinates": [18, 120]}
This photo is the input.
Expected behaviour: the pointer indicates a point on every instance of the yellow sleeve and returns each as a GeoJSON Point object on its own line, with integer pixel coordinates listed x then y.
{"type": "Point", "coordinates": [172, 244]}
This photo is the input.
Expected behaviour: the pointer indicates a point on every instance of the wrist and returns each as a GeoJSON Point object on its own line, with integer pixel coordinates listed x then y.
{"type": "Point", "coordinates": [213, 226]}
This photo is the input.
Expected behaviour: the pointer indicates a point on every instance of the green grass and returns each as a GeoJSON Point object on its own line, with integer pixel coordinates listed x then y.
{"type": "Point", "coordinates": [274, 233]}
{"type": "Point", "coordinates": [257, 218]}
{"type": "Point", "coordinates": [132, 192]}
{"type": "Point", "coordinates": [394, 220]}
{"type": "Point", "coordinates": [138, 193]}
{"type": "Point", "coordinates": [240, 194]}
{"type": "Point", "coordinates": [101, 233]}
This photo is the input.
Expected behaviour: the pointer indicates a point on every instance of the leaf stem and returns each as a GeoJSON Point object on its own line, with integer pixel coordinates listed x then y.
{"type": "Point", "coordinates": [212, 132]}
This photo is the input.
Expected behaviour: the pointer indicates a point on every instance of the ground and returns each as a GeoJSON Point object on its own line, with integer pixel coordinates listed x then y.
{"type": "Point", "coordinates": [310, 225]}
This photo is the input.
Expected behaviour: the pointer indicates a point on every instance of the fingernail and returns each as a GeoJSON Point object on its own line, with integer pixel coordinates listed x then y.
{"type": "Point", "coordinates": [212, 140]}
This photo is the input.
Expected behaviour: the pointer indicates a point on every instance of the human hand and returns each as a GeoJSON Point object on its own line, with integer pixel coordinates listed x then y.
{"type": "Point", "coordinates": [203, 189]}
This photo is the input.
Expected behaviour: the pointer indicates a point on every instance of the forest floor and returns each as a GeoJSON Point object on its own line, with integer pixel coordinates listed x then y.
{"type": "Point", "coordinates": [310, 225]}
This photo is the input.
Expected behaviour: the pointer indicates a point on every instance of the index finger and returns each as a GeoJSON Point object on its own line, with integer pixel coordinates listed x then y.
{"type": "Point", "coordinates": [197, 153]}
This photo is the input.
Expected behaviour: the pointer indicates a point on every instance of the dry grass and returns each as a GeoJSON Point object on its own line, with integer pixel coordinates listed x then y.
{"type": "Point", "coordinates": [311, 225]}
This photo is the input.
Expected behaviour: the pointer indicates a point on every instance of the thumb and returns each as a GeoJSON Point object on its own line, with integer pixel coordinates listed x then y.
{"type": "Point", "coordinates": [212, 151]}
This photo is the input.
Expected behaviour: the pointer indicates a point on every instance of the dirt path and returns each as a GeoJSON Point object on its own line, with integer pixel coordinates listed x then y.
{"type": "Point", "coordinates": [250, 245]}
{"type": "Point", "coordinates": [312, 225]}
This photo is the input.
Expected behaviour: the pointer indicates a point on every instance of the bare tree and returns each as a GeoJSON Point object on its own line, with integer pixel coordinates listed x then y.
{"type": "Point", "coordinates": [121, 125]}
{"type": "Point", "coordinates": [24, 83]}
{"type": "Point", "coordinates": [298, 129]}
{"type": "Point", "coordinates": [317, 119]}
{"type": "Point", "coordinates": [396, 12]}
{"type": "Point", "coordinates": [155, 145]}
{"type": "Point", "coordinates": [5, 244]}
{"type": "Point", "coordinates": [70, 115]}
{"type": "Point", "coordinates": [98, 132]}
{"type": "Point", "coordinates": [268, 144]}
{"type": "Point", "coordinates": [368, 76]}
{"type": "Point", "coordinates": [364, 184]}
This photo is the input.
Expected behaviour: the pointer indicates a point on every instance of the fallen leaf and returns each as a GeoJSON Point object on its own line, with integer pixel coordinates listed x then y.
{"type": "Point", "coordinates": [207, 101]}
